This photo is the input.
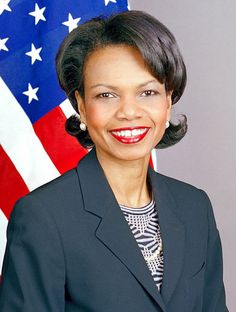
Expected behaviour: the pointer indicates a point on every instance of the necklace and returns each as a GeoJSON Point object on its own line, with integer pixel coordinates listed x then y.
{"type": "Point", "coordinates": [155, 254]}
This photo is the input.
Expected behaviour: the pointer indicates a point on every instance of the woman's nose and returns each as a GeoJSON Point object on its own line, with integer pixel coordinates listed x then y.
{"type": "Point", "coordinates": [129, 109]}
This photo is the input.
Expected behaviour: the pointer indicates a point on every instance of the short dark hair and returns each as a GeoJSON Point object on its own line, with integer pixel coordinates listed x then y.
{"type": "Point", "coordinates": [138, 29]}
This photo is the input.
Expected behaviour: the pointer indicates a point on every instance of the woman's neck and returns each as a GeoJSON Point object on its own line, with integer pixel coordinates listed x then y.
{"type": "Point", "coordinates": [128, 180]}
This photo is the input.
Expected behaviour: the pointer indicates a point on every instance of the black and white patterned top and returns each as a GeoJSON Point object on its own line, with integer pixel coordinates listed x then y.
{"type": "Point", "coordinates": [145, 227]}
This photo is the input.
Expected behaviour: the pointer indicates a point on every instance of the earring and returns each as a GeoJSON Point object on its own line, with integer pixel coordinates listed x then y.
{"type": "Point", "coordinates": [167, 124]}
{"type": "Point", "coordinates": [82, 126]}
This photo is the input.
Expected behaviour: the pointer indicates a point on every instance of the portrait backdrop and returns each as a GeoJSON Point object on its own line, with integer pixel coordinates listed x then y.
{"type": "Point", "coordinates": [205, 32]}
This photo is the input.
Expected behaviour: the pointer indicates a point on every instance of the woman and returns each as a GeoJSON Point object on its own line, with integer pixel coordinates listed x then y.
{"type": "Point", "coordinates": [113, 235]}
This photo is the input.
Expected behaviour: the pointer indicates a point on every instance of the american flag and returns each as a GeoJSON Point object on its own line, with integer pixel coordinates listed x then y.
{"type": "Point", "coordinates": [34, 147]}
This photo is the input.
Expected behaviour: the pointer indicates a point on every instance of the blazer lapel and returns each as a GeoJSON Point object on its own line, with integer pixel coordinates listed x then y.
{"type": "Point", "coordinates": [173, 235]}
{"type": "Point", "coordinates": [113, 230]}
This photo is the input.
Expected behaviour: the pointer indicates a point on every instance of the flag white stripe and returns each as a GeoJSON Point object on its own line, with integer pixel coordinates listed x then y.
{"type": "Point", "coordinates": [128, 6]}
{"type": "Point", "coordinates": [3, 227]}
{"type": "Point", "coordinates": [21, 144]}
{"type": "Point", "coordinates": [154, 159]}
{"type": "Point", "coordinates": [67, 108]}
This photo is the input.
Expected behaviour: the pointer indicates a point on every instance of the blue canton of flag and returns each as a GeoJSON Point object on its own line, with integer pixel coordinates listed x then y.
{"type": "Point", "coordinates": [30, 34]}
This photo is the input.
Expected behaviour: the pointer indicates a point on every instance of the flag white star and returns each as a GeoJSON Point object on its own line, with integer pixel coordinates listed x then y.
{"type": "Point", "coordinates": [31, 93]}
{"type": "Point", "coordinates": [107, 2]}
{"type": "Point", "coordinates": [3, 44]}
{"type": "Point", "coordinates": [72, 22]}
{"type": "Point", "coordinates": [34, 54]}
{"type": "Point", "coordinates": [4, 6]}
{"type": "Point", "coordinates": [38, 14]}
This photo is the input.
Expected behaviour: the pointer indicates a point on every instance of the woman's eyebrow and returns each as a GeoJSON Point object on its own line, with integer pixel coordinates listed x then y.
{"type": "Point", "coordinates": [103, 85]}
{"type": "Point", "coordinates": [148, 82]}
{"type": "Point", "coordinates": [143, 84]}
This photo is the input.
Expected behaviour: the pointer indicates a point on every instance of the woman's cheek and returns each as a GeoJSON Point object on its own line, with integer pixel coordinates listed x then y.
{"type": "Point", "coordinates": [96, 114]}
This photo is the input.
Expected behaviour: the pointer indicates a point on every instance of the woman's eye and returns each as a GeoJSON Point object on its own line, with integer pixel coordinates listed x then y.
{"type": "Point", "coordinates": [105, 95]}
{"type": "Point", "coordinates": [149, 92]}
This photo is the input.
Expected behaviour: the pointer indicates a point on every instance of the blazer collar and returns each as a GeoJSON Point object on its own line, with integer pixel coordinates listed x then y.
{"type": "Point", "coordinates": [172, 231]}
{"type": "Point", "coordinates": [114, 232]}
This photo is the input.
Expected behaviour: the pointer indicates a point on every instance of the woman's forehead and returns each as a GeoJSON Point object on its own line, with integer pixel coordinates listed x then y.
{"type": "Point", "coordinates": [114, 53]}
{"type": "Point", "coordinates": [117, 64]}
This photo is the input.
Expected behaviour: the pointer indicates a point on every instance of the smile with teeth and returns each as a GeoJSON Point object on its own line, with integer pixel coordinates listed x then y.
{"type": "Point", "coordinates": [128, 135]}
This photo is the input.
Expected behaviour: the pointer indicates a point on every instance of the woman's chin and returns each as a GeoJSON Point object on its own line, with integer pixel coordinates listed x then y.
{"type": "Point", "coordinates": [127, 154]}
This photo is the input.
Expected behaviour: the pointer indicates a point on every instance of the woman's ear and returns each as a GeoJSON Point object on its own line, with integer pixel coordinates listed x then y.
{"type": "Point", "coordinates": [81, 106]}
{"type": "Point", "coordinates": [169, 104]}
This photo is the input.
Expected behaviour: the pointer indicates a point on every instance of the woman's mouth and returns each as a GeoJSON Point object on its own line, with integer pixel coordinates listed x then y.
{"type": "Point", "coordinates": [129, 135]}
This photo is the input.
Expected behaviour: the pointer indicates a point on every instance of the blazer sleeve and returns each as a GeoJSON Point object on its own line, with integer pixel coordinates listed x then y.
{"type": "Point", "coordinates": [33, 272]}
{"type": "Point", "coordinates": [214, 293]}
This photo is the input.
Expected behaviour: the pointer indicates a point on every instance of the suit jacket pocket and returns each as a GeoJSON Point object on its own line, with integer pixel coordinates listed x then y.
{"type": "Point", "coordinates": [194, 290]}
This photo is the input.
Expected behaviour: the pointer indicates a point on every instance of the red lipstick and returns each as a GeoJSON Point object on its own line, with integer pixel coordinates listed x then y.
{"type": "Point", "coordinates": [129, 135]}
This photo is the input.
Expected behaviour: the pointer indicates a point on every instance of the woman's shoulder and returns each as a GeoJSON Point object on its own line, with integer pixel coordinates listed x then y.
{"type": "Point", "coordinates": [54, 197]}
{"type": "Point", "coordinates": [190, 202]}
{"type": "Point", "coordinates": [58, 187]}
{"type": "Point", "coordinates": [177, 185]}
{"type": "Point", "coordinates": [183, 192]}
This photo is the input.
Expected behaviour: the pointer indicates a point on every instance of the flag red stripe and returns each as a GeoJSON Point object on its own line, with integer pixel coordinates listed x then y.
{"type": "Point", "coordinates": [12, 185]}
{"type": "Point", "coordinates": [63, 149]}
{"type": "Point", "coordinates": [151, 162]}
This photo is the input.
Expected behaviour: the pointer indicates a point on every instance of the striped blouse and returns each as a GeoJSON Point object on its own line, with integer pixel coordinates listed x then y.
{"type": "Point", "coordinates": [145, 227]}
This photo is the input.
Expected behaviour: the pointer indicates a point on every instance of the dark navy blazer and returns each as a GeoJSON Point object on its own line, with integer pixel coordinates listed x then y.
{"type": "Point", "coordinates": [70, 249]}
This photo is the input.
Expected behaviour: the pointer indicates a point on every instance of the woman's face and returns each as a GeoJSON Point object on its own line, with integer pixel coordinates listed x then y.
{"type": "Point", "coordinates": [125, 107]}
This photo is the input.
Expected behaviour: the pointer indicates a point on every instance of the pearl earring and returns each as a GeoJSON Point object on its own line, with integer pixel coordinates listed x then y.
{"type": "Point", "coordinates": [167, 124]}
{"type": "Point", "coordinates": [82, 126]}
